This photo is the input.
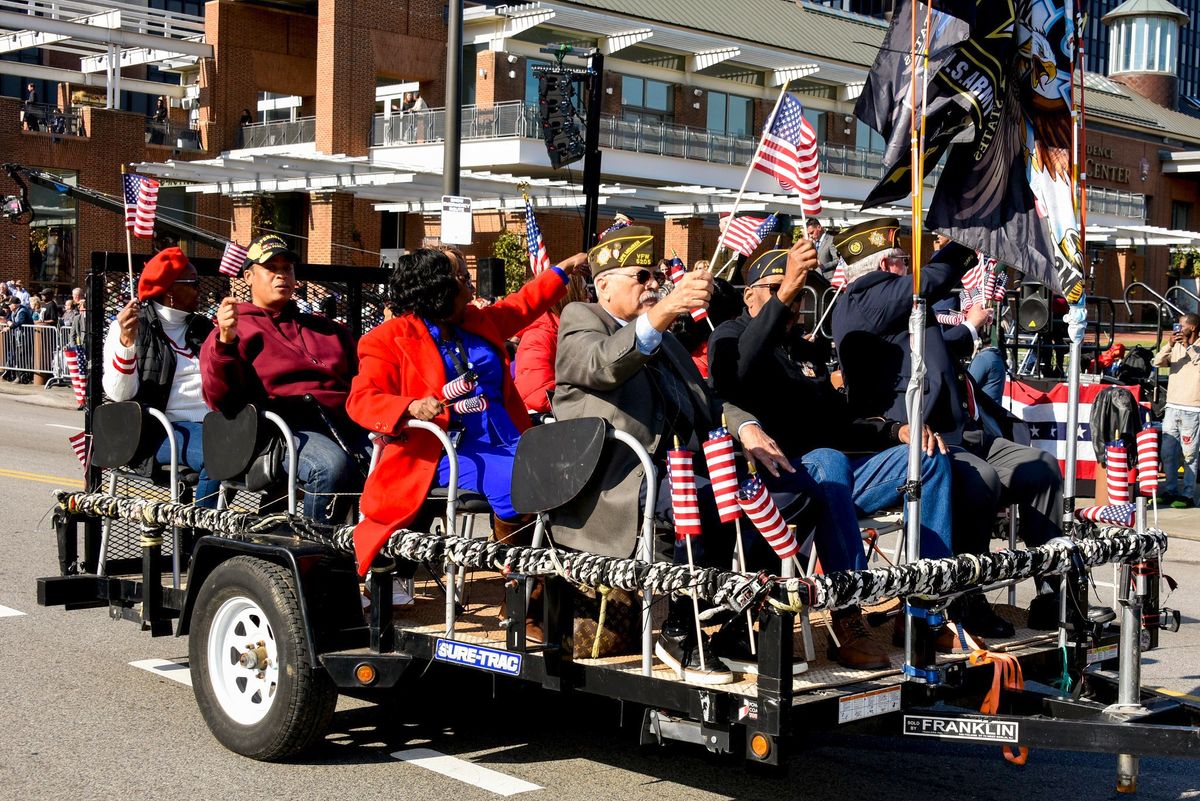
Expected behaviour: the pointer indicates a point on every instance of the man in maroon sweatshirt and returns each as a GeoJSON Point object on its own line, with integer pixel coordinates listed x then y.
{"type": "Point", "coordinates": [270, 353]}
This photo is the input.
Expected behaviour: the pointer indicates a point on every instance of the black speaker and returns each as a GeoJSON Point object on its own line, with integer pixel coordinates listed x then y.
{"type": "Point", "coordinates": [489, 282]}
{"type": "Point", "coordinates": [1033, 311]}
{"type": "Point", "coordinates": [556, 97]}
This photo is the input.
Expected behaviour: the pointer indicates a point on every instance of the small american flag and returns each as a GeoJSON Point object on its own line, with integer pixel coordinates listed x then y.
{"type": "Point", "coordinates": [974, 278]}
{"type": "Point", "coordinates": [232, 259]}
{"type": "Point", "coordinates": [74, 358]}
{"type": "Point", "coordinates": [745, 234]}
{"type": "Point", "coordinates": [539, 260]}
{"type": "Point", "coordinates": [789, 153]}
{"type": "Point", "coordinates": [141, 204]}
{"type": "Point", "coordinates": [684, 502]}
{"type": "Point", "coordinates": [1147, 460]}
{"type": "Point", "coordinates": [838, 281]}
{"type": "Point", "coordinates": [460, 386]}
{"type": "Point", "coordinates": [720, 454]}
{"type": "Point", "coordinates": [1117, 476]}
{"type": "Point", "coordinates": [760, 507]}
{"type": "Point", "coordinates": [471, 405]}
{"type": "Point", "coordinates": [1120, 514]}
{"type": "Point", "coordinates": [950, 318]}
{"type": "Point", "coordinates": [79, 445]}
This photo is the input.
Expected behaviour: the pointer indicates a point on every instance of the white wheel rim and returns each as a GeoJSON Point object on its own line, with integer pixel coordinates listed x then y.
{"type": "Point", "coordinates": [245, 694]}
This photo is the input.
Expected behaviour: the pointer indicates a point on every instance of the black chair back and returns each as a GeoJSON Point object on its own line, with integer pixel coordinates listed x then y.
{"type": "Point", "coordinates": [554, 462]}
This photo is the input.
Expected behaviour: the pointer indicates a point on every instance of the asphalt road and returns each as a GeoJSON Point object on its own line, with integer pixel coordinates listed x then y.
{"type": "Point", "coordinates": [79, 721]}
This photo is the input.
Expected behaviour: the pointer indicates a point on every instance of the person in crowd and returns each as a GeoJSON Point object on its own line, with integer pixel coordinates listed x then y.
{"type": "Point", "coordinates": [827, 254]}
{"type": "Point", "coordinates": [69, 314]}
{"type": "Point", "coordinates": [79, 323]}
{"type": "Point", "coordinates": [300, 365]}
{"type": "Point", "coordinates": [726, 303]}
{"type": "Point", "coordinates": [245, 120]}
{"type": "Point", "coordinates": [35, 308]}
{"type": "Point", "coordinates": [152, 356]}
{"type": "Point", "coordinates": [50, 313]}
{"type": "Point", "coordinates": [538, 346]}
{"type": "Point", "coordinates": [19, 291]}
{"type": "Point", "coordinates": [1181, 421]}
{"type": "Point", "coordinates": [753, 364]}
{"type": "Point", "coordinates": [617, 360]}
{"type": "Point", "coordinates": [29, 111]}
{"type": "Point", "coordinates": [438, 337]}
{"type": "Point", "coordinates": [19, 351]}
{"type": "Point", "coordinates": [158, 124]}
{"type": "Point", "coordinates": [990, 470]}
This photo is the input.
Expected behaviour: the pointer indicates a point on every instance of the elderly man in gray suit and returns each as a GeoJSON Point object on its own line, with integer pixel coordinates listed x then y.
{"type": "Point", "coordinates": [616, 361]}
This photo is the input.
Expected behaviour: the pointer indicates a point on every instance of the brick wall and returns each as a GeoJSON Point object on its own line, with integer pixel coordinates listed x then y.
{"type": "Point", "coordinates": [497, 86]}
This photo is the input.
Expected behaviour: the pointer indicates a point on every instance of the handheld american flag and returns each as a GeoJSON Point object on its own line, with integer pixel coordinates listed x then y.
{"type": "Point", "coordinates": [839, 276]}
{"type": "Point", "coordinates": [80, 446]}
{"type": "Point", "coordinates": [758, 505]}
{"type": "Point", "coordinates": [232, 259]}
{"type": "Point", "coordinates": [788, 152]}
{"type": "Point", "coordinates": [539, 260]}
{"type": "Point", "coordinates": [471, 405]}
{"type": "Point", "coordinates": [141, 204]}
{"type": "Point", "coordinates": [619, 222]}
{"type": "Point", "coordinates": [677, 273]}
{"type": "Point", "coordinates": [722, 472]}
{"type": "Point", "coordinates": [460, 386]}
{"type": "Point", "coordinates": [684, 501]}
{"type": "Point", "coordinates": [745, 234]}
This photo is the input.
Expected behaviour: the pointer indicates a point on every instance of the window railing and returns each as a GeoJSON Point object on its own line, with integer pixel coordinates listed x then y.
{"type": "Point", "coordinates": [167, 134]}
{"type": "Point", "coordinates": [273, 134]}
{"type": "Point", "coordinates": [1116, 202]}
{"type": "Point", "coordinates": [46, 118]}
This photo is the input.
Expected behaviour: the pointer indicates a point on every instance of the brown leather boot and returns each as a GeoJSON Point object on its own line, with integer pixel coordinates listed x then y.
{"type": "Point", "coordinates": [857, 650]}
{"type": "Point", "coordinates": [512, 532]}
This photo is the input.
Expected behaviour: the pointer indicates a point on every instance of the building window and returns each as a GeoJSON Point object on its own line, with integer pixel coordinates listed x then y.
{"type": "Point", "coordinates": [816, 118]}
{"type": "Point", "coordinates": [866, 138]}
{"type": "Point", "coordinates": [52, 234]}
{"type": "Point", "coordinates": [730, 114]}
{"type": "Point", "coordinates": [1144, 44]}
{"type": "Point", "coordinates": [1181, 215]}
{"type": "Point", "coordinates": [274, 107]}
{"type": "Point", "coordinates": [646, 100]}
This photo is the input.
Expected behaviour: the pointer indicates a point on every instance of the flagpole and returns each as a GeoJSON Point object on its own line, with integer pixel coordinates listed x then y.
{"type": "Point", "coordinates": [128, 238]}
{"type": "Point", "coordinates": [711, 327]}
{"type": "Point", "coordinates": [829, 308]}
{"type": "Point", "coordinates": [915, 392]}
{"type": "Point", "coordinates": [737, 201]}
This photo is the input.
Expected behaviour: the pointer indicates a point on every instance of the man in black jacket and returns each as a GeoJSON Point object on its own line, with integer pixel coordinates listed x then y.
{"type": "Point", "coordinates": [870, 329]}
{"type": "Point", "coordinates": [752, 361]}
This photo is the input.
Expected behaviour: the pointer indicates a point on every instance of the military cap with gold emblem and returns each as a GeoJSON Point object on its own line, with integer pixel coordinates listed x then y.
{"type": "Point", "coordinates": [631, 246]}
{"type": "Point", "coordinates": [766, 264]}
{"type": "Point", "coordinates": [867, 238]}
{"type": "Point", "coordinates": [267, 247]}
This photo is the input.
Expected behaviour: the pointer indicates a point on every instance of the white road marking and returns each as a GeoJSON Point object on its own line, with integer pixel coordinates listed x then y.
{"type": "Point", "coordinates": [167, 669]}
{"type": "Point", "coordinates": [468, 772]}
{"type": "Point", "coordinates": [7, 612]}
{"type": "Point", "coordinates": [60, 425]}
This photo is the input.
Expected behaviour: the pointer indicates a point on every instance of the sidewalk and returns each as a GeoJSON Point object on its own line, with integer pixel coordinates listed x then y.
{"type": "Point", "coordinates": [58, 398]}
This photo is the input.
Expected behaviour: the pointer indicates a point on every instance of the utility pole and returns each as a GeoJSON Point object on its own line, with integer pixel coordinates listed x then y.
{"type": "Point", "coordinates": [453, 126]}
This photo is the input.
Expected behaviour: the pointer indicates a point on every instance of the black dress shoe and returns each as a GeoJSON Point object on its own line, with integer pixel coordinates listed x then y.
{"type": "Point", "coordinates": [678, 651]}
{"type": "Point", "coordinates": [732, 646]}
{"type": "Point", "coordinates": [979, 618]}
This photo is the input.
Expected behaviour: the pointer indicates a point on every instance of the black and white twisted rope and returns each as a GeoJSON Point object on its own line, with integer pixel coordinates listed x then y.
{"type": "Point", "coordinates": [927, 577]}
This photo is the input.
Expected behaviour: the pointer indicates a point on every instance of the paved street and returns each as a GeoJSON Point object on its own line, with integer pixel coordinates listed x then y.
{"type": "Point", "coordinates": [80, 721]}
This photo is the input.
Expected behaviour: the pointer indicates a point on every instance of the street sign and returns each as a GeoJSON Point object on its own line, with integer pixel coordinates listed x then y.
{"type": "Point", "coordinates": [456, 220]}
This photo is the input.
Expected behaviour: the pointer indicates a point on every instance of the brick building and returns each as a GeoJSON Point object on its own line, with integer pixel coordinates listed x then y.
{"type": "Point", "coordinates": [333, 162]}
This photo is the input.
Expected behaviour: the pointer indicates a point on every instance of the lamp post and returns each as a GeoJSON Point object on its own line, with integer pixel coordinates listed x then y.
{"type": "Point", "coordinates": [453, 130]}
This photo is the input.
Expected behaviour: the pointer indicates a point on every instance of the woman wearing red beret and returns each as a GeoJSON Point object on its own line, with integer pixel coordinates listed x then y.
{"type": "Point", "coordinates": [152, 356]}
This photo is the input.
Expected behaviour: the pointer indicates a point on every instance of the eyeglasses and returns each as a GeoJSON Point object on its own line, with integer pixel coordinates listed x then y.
{"type": "Point", "coordinates": [897, 260]}
{"type": "Point", "coordinates": [772, 288]}
{"type": "Point", "coordinates": [643, 276]}
{"type": "Point", "coordinates": [187, 281]}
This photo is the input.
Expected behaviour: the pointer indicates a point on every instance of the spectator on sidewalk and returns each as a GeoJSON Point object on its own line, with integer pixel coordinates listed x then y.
{"type": "Point", "coordinates": [50, 312]}
{"type": "Point", "coordinates": [1181, 423]}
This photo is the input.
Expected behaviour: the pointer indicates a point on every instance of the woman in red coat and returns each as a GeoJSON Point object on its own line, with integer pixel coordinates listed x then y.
{"type": "Point", "coordinates": [534, 375]}
{"type": "Point", "coordinates": [436, 337]}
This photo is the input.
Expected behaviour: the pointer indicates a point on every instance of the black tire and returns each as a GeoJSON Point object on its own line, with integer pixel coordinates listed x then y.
{"type": "Point", "coordinates": [297, 708]}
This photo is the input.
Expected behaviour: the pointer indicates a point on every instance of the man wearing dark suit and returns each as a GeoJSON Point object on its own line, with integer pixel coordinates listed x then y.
{"type": "Point", "coordinates": [870, 328]}
{"type": "Point", "coordinates": [827, 254]}
{"type": "Point", "coordinates": [616, 360]}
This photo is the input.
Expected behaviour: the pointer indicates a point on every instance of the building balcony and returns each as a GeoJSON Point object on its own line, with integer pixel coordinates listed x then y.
{"type": "Point", "coordinates": [45, 118]}
{"type": "Point", "coordinates": [176, 137]}
{"type": "Point", "coordinates": [301, 131]}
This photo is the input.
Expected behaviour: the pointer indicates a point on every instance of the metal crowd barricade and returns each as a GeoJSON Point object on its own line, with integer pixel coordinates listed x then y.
{"type": "Point", "coordinates": [30, 350]}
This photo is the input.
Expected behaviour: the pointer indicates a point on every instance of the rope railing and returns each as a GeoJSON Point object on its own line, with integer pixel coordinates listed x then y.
{"type": "Point", "coordinates": [926, 577]}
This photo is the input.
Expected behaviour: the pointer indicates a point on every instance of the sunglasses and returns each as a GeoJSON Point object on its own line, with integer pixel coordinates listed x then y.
{"type": "Point", "coordinates": [188, 281]}
{"type": "Point", "coordinates": [772, 288]}
{"type": "Point", "coordinates": [643, 276]}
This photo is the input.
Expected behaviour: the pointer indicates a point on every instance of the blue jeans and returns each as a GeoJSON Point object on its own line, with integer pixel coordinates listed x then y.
{"type": "Point", "coordinates": [1179, 434]}
{"type": "Point", "coordinates": [324, 471]}
{"type": "Point", "coordinates": [989, 371]}
{"type": "Point", "coordinates": [189, 447]}
{"type": "Point", "coordinates": [847, 488]}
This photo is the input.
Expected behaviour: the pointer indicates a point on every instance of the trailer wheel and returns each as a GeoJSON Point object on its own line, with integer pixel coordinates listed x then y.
{"type": "Point", "coordinates": [255, 676]}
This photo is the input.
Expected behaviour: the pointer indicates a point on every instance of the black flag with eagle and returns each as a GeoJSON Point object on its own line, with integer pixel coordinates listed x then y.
{"type": "Point", "coordinates": [1006, 189]}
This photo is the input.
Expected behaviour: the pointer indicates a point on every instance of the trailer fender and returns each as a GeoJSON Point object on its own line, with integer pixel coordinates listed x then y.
{"type": "Point", "coordinates": [326, 583]}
